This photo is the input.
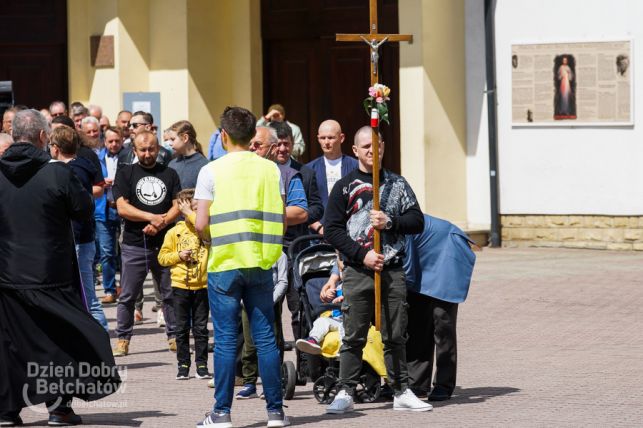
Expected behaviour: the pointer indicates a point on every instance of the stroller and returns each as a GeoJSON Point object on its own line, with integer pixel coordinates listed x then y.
{"type": "Point", "coordinates": [311, 268]}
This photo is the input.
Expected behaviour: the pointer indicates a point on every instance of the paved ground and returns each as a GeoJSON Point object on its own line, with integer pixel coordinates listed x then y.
{"type": "Point", "coordinates": [548, 337]}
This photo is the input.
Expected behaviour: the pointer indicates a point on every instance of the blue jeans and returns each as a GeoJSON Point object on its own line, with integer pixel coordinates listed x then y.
{"type": "Point", "coordinates": [106, 235]}
{"type": "Point", "coordinates": [225, 292]}
{"type": "Point", "coordinates": [85, 254]}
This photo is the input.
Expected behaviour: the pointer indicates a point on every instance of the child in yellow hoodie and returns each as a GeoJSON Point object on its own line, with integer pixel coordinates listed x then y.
{"type": "Point", "coordinates": [187, 255]}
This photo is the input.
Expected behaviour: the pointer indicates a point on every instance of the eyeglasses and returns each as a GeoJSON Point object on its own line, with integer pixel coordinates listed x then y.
{"type": "Point", "coordinates": [136, 125]}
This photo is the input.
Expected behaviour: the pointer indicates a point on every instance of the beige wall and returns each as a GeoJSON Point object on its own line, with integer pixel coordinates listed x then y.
{"type": "Point", "coordinates": [203, 55]}
{"type": "Point", "coordinates": [433, 105]}
{"type": "Point", "coordinates": [198, 54]}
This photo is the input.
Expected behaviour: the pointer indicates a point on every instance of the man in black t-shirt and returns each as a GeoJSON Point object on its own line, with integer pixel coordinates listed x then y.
{"type": "Point", "coordinates": [349, 227]}
{"type": "Point", "coordinates": [145, 195]}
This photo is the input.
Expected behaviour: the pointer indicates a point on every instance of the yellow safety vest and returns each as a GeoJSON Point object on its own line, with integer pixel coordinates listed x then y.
{"type": "Point", "coordinates": [246, 215]}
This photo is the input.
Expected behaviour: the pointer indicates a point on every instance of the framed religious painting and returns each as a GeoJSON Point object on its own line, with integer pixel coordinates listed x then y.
{"type": "Point", "coordinates": [572, 84]}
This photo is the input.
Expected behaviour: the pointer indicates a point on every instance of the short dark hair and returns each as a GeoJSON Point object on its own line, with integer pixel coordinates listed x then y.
{"type": "Point", "coordinates": [79, 110]}
{"type": "Point", "coordinates": [66, 139]}
{"type": "Point", "coordinates": [147, 116]}
{"type": "Point", "coordinates": [115, 129]}
{"type": "Point", "coordinates": [239, 123]}
{"type": "Point", "coordinates": [65, 120]}
{"type": "Point", "coordinates": [283, 130]}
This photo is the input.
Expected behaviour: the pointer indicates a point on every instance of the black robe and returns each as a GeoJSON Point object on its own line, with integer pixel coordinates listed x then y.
{"type": "Point", "coordinates": [48, 339]}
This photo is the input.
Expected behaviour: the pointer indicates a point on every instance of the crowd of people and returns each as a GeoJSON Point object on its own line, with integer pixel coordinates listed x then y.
{"type": "Point", "coordinates": [214, 229]}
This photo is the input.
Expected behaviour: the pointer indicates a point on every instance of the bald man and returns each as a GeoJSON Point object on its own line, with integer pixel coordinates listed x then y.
{"type": "Point", "coordinates": [332, 165]}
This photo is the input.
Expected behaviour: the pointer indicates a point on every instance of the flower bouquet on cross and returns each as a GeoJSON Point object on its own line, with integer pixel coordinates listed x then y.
{"type": "Point", "coordinates": [376, 100]}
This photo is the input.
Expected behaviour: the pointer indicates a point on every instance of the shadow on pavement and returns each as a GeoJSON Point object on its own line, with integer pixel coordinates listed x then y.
{"type": "Point", "coordinates": [123, 419]}
{"type": "Point", "coordinates": [134, 366]}
{"type": "Point", "coordinates": [139, 330]}
{"type": "Point", "coordinates": [301, 394]}
{"type": "Point", "coordinates": [315, 419]}
{"type": "Point", "coordinates": [475, 395]}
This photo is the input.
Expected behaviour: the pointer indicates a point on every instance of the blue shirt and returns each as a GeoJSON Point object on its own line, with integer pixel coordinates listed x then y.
{"type": "Point", "coordinates": [296, 196]}
{"type": "Point", "coordinates": [216, 150]}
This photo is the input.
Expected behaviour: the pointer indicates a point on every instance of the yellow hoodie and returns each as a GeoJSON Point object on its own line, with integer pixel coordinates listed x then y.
{"type": "Point", "coordinates": [183, 236]}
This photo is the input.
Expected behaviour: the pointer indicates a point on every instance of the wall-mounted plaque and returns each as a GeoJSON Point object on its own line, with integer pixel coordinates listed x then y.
{"type": "Point", "coordinates": [102, 51]}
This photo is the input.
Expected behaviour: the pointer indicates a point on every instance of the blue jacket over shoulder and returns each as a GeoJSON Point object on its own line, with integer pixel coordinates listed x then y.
{"type": "Point", "coordinates": [439, 261]}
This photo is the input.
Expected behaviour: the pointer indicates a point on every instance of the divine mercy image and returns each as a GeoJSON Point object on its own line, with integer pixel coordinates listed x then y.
{"type": "Point", "coordinates": [565, 84]}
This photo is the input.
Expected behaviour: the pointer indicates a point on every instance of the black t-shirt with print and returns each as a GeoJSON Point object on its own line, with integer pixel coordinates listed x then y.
{"type": "Point", "coordinates": [150, 190]}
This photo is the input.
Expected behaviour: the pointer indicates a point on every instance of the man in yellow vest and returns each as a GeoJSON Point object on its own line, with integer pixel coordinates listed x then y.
{"type": "Point", "coordinates": [241, 211]}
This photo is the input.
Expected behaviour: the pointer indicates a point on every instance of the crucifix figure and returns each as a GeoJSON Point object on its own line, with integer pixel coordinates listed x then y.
{"type": "Point", "coordinates": [375, 46]}
{"type": "Point", "coordinates": [375, 40]}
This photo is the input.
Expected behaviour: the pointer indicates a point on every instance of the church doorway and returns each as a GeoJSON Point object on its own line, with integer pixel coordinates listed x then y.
{"type": "Point", "coordinates": [317, 78]}
{"type": "Point", "coordinates": [33, 50]}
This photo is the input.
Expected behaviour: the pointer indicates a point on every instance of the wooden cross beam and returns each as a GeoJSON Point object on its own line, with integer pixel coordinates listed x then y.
{"type": "Point", "coordinates": [374, 40]}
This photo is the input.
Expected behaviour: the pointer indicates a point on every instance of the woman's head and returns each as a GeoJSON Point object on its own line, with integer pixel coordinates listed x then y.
{"type": "Point", "coordinates": [182, 137]}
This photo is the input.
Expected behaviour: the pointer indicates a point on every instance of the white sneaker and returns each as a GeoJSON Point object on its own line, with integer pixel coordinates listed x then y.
{"type": "Point", "coordinates": [343, 403]}
{"type": "Point", "coordinates": [160, 319]}
{"type": "Point", "coordinates": [408, 401]}
{"type": "Point", "coordinates": [277, 420]}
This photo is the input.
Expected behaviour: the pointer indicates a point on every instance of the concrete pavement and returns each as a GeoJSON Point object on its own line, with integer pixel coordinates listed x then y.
{"type": "Point", "coordinates": [547, 337]}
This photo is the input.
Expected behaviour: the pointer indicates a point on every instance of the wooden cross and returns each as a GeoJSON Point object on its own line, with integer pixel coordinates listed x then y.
{"type": "Point", "coordinates": [374, 40]}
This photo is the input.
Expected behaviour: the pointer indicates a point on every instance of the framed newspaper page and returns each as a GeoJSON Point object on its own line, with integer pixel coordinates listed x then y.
{"type": "Point", "coordinates": [572, 84]}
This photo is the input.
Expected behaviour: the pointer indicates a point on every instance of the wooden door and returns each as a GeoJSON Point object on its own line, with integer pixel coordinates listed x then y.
{"type": "Point", "coordinates": [33, 50]}
{"type": "Point", "coordinates": [317, 78]}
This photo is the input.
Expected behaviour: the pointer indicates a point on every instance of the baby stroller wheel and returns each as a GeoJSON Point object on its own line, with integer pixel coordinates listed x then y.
{"type": "Point", "coordinates": [288, 379]}
{"type": "Point", "coordinates": [369, 388]}
{"type": "Point", "coordinates": [325, 389]}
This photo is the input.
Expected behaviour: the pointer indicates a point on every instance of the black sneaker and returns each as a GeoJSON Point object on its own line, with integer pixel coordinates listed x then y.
{"type": "Point", "coordinates": [64, 418]}
{"type": "Point", "coordinates": [216, 420]}
{"type": "Point", "coordinates": [183, 373]}
{"type": "Point", "coordinates": [439, 394]}
{"type": "Point", "coordinates": [203, 373]}
{"type": "Point", "coordinates": [278, 419]}
{"type": "Point", "coordinates": [10, 421]}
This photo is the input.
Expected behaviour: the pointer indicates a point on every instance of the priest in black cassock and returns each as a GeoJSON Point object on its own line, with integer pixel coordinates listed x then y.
{"type": "Point", "coordinates": [51, 348]}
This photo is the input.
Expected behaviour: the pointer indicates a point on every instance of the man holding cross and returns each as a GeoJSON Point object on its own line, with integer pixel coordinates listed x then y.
{"type": "Point", "coordinates": [350, 224]}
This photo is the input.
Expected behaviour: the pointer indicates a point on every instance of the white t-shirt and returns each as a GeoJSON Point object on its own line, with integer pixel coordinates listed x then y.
{"type": "Point", "coordinates": [111, 162]}
{"type": "Point", "coordinates": [333, 172]}
{"type": "Point", "coordinates": [204, 188]}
